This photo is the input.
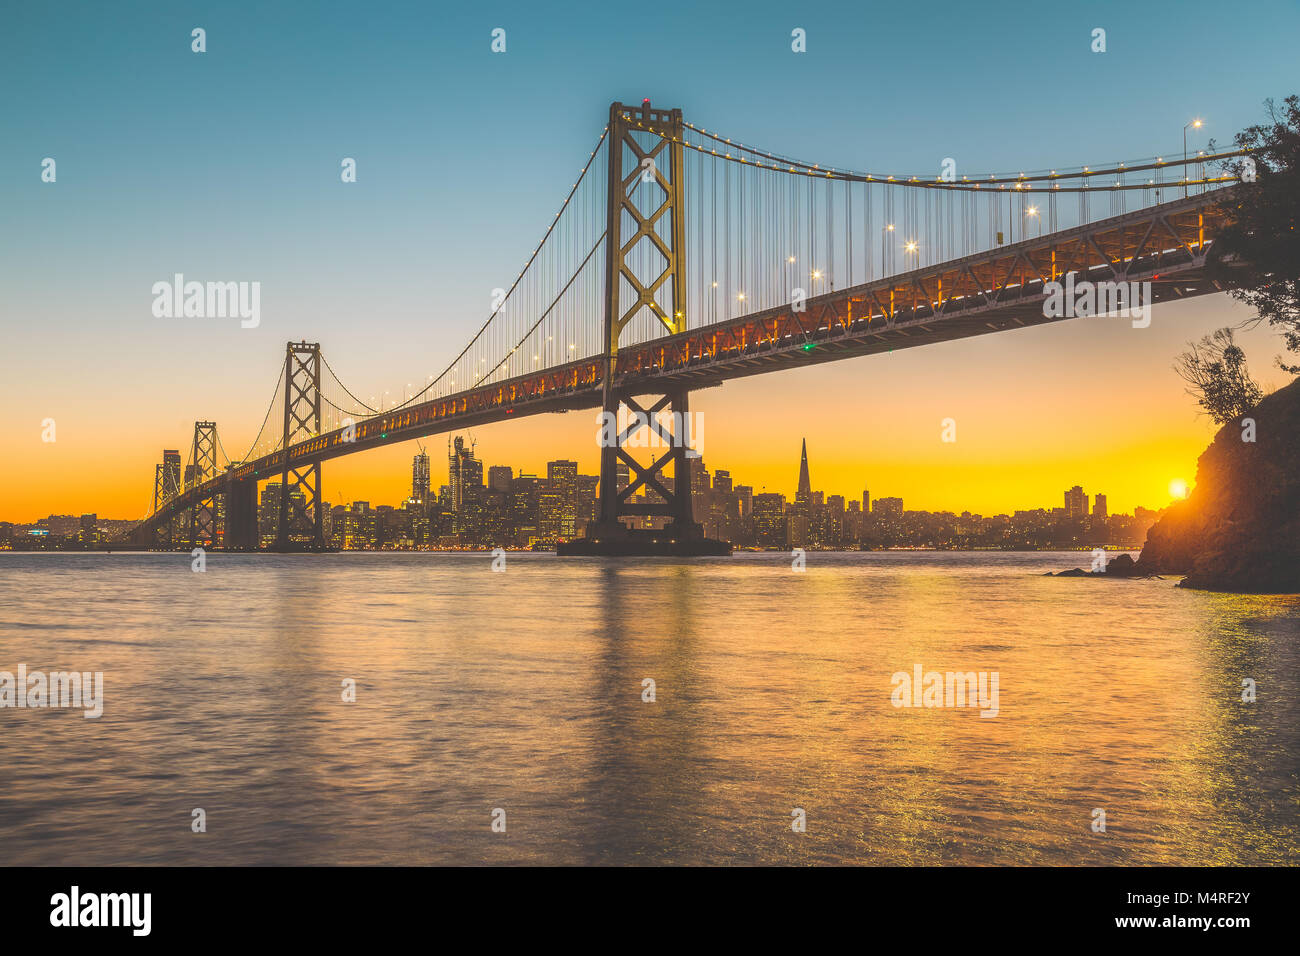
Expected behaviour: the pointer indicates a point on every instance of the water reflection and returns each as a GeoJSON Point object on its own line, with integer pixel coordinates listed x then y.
{"type": "Point", "coordinates": [523, 691]}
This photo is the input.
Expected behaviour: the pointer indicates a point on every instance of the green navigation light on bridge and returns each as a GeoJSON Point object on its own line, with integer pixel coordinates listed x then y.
{"type": "Point", "coordinates": [808, 346]}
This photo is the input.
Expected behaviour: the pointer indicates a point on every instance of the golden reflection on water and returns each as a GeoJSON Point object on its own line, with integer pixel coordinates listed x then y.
{"type": "Point", "coordinates": [523, 691]}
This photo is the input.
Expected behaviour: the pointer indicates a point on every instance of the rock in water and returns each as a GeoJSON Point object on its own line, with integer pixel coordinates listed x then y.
{"type": "Point", "coordinates": [1122, 566]}
{"type": "Point", "coordinates": [1239, 530]}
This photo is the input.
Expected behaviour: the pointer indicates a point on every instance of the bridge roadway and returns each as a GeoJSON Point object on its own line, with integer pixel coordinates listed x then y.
{"type": "Point", "coordinates": [1168, 244]}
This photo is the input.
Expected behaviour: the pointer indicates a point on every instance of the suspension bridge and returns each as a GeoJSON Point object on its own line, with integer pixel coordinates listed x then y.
{"type": "Point", "coordinates": [681, 258]}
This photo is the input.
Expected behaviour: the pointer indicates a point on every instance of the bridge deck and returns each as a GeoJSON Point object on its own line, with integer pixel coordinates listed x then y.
{"type": "Point", "coordinates": [998, 290]}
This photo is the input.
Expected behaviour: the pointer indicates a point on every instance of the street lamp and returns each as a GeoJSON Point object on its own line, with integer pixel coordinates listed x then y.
{"type": "Point", "coordinates": [910, 248]}
{"type": "Point", "coordinates": [1194, 124]}
{"type": "Point", "coordinates": [1033, 211]}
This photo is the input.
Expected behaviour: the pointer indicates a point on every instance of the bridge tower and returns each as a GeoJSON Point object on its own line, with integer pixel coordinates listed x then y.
{"type": "Point", "coordinates": [301, 525]}
{"type": "Point", "coordinates": [634, 161]}
{"type": "Point", "coordinates": [203, 465]}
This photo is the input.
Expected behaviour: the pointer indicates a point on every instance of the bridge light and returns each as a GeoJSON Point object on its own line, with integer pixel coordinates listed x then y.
{"type": "Point", "coordinates": [741, 296]}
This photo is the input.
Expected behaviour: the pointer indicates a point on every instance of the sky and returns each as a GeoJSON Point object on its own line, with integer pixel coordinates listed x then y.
{"type": "Point", "coordinates": [226, 164]}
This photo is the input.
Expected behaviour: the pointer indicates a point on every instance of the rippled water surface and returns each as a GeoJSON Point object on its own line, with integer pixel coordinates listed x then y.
{"type": "Point", "coordinates": [522, 690]}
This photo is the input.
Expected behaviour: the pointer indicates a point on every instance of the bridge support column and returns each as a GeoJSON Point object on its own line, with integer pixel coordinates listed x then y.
{"type": "Point", "coordinates": [241, 516]}
{"type": "Point", "coordinates": [203, 461]}
{"type": "Point", "coordinates": [646, 191]}
{"type": "Point", "coordinates": [301, 525]}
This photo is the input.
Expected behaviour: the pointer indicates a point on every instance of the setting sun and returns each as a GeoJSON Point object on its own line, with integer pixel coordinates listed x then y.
{"type": "Point", "coordinates": [1178, 488]}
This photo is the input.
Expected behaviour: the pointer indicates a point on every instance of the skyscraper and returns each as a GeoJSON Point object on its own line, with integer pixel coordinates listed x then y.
{"type": "Point", "coordinates": [804, 494]}
{"type": "Point", "coordinates": [420, 478]}
{"type": "Point", "coordinates": [465, 478]}
{"type": "Point", "coordinates": [770, 523]}
{"type": "Point", "coordinates": [562, 511]}
{"type": "Point", "coordinates": [1076, 503]}
{"type": "Point", "coordinates": [1099, 506]}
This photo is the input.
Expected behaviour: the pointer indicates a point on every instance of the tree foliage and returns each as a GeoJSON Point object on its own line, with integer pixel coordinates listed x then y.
{"type": "Point", "coordinates": [1215, 368]}
{"type": "Point", "coordinates": [1259, 250]}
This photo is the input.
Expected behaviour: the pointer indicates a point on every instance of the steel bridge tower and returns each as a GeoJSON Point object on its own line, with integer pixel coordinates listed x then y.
{"type": "Point", "coordinates": [662, 224]}
{"type": "Point", "coordinates": [301, 525]}
{"type": "Point", "coordinates": [203, 464]}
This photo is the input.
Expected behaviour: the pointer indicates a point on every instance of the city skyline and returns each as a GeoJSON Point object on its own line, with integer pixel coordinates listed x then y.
{"type": "Point", "coordinates": [470, 478]}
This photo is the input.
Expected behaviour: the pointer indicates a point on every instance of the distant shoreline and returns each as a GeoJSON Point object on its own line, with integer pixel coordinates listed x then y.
{"type": "Point", "coordinates": [129, 549]}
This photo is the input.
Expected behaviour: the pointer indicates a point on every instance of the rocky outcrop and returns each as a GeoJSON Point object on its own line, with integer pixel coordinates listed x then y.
{"type": "Point", "coordinates": [1120, 566]}
{"type": "Point", "coordinates": [1239, 530]}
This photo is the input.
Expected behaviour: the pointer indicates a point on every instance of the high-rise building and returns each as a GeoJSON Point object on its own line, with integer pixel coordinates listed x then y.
{"type": "Point", "coordinates": [499, 478]}
{"type": "Point", "coordinates": [523, 509]}
{"type": "Point", "coordinates": [588, 502]}
{"type": "Point", "coordinates": [268, 512]}
{"type": "Point", "coordinates": [803, 496]}
{"type": "Point", "coordinates": [888, 507]}
{"type": "Point", "coordinates": [866, 501]}
{"type": "Point", "coordinates": [833, 521]}
{"type": "Point", "coordinates": [852, 524]}
{"type": "Point", "coordinates": [770, 527]}
{"type": "Point", "coordinates": [1076, 503]}
{"type": "Point", "coordinates": [562, 482]}
{"type": "Point", "coordinates": [701, 493]}
{"type": "Point", "coordinates": [745, 501]}
{"type": "Point", "coordinates": [550, 511]}
{"type": "Point", "coordinates": [420, 478]}
{"type": "Point", "coordinates": [1099, 506]}
{"type": "Point", "coordinates": [465, 478]}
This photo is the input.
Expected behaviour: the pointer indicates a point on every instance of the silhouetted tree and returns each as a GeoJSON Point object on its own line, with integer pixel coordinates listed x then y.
{"type": "Point", "coordinates": [1262, 238]}
{"type": "Point", "coordinates": [1215, 367]}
